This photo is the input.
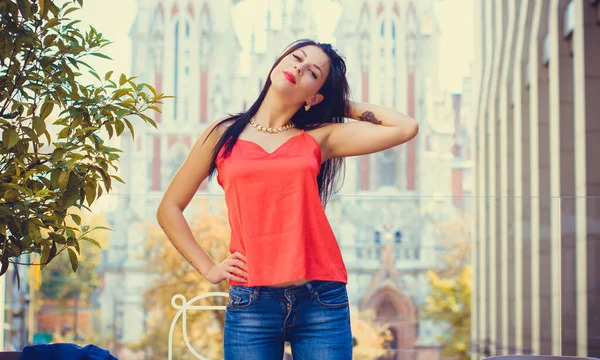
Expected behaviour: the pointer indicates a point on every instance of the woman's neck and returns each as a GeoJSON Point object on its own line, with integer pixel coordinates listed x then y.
{"type": "Point", "coordinates": [273, 112]}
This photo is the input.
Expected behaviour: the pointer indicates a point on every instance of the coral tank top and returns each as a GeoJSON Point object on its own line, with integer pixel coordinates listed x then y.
{"type": "Point", "coordinates": [275, 212]}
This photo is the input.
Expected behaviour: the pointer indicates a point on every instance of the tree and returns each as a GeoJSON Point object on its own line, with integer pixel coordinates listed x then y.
{"type": "Point", "coordinates": [174, 275]}
{"type": "Point", "coordinates": [58, 281]}
{"type": "Point", "coordinates": [455, 247]}
{"type": "Point", "coordinates": [53, 154]}
{"type": "Point", "coordinates": [371, 340]}
{"type": "Point", "coordinates": [449, 303]}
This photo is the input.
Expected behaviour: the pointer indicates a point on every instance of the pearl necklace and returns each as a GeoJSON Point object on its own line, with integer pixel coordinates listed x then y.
{"type": "Point", "coordinates": [268, 129]}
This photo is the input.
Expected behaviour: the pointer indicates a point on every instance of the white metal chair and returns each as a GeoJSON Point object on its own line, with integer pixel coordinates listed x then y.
{"type": "Point", "coordinates": [182, 308]}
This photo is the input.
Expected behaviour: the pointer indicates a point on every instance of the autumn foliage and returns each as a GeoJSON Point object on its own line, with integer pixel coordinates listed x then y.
{"type": "Point", "coordinates": [449, 301]}
{"type": "Point", "coordinates": [172, 274]}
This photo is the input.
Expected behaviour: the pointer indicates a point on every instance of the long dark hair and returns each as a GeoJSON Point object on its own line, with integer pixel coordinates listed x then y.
{"type": "Point", "coordinates": [332, 109]}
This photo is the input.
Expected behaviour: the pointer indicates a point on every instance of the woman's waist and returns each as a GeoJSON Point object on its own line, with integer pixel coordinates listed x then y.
{"type": "Point", "coordinates": [304, 286]}
{"type": "Point", "coordinates": [288, 284]}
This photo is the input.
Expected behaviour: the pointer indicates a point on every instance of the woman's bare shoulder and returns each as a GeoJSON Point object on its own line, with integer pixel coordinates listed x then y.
{"type": "Point", "coordinates": [219, 126]}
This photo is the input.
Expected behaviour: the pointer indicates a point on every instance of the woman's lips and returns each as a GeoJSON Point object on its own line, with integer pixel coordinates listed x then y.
{"type": "Point", "coordinates": [291, 78]}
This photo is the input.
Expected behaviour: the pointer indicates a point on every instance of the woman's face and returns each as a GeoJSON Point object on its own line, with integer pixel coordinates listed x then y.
{"type": "Point", "coordinates": [300, 75]}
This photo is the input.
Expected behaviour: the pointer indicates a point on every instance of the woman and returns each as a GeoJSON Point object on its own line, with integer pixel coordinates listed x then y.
{"type": "Point", "coordinates": [287, 276]}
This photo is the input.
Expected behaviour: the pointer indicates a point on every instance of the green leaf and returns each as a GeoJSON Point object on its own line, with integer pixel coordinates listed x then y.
{"type": "Point", "coordinates": [39, 125]}
{"type": "Point", "coordinates": [73, 62]}
{"type": "Point", "coordinates": [106, 179]}
{"type": "Point", "coordinates": [119, 126]}
{"type": "Point", "coordinates": [11, 195]}
{"type": "Point", "coordinates": [46, 109]}
{"type": "Point", "coordinates": [48, 138]}
{"type": "Point", "coordinates": [76, 218]}
{"type": "Point", "coordinates": [49, 40]}
{"type": "Point", "coordinates": [118, 179]}
{"type": "Point", "coordinates": [151, 89]}
{"type": "Point", "coordinates": [90, 240]}
{"type": "Point", "coordinates": [90, 192]}
{"type": "Point", "coordinates": [70, 10]}
{"type": "Point", "coordinates": [10, 137]}
{"type": "Point", "coordinates": [122, 79]}
{"type": "Point", "coordinates": [34, 232]}
{"type": "Point", "coordinates": [72, 23]}
{"type": "Point", "coordinates": [24, 8]}
{"type": "Point", "coordinates": [130, 128]}
{"type": "Point", "coordinates": [108, 75]}
{"type": "Point", "coordinates": [4, 267]}
{"type": "Point", "coordinates": [95, 74]}
{"type": "Point", "coordinates": [100, 228]}
{"type": "Point", "coordinates": [45, 255]}
{"type": "Point", "coordinates": [73, 259]}
{"type": "Point", "coordinates": [63, 180]}
{"type": "Point", "coordinates": [57, 154]}
{"type": "Point", "coordinates": [30, 132]}
{"type": "Point", "coordinates": [101, 55]}
{"type": "Point", "coordinates": [109, 129]}
{"type": "Point", "coordinates": [43, 9]}
{"type": "Point", "coordinates": [52, 22]}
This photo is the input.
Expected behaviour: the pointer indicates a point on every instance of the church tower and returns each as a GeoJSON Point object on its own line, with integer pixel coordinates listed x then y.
{"type": "Point", "coordinates": [387, 227]}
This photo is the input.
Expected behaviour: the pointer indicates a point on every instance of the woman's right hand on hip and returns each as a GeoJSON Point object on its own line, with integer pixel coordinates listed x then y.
{"type": "Point", "coordinates": [233, 268]}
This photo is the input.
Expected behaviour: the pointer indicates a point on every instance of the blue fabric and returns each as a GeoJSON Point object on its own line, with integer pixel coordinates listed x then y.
{"type": "Point", "coordinates": [65, 352]}
{"type": "Point", "coordinates": [314, 318]}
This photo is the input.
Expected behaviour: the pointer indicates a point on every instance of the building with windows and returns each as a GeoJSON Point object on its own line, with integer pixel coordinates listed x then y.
{"type": "Point", "coordinates": [537, 207]}
{"type": "Point", "coordinates": [388, 209]}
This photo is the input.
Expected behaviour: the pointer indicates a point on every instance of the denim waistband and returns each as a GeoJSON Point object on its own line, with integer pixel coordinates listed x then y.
{"type": "Point", "coordinates": [310, 288]}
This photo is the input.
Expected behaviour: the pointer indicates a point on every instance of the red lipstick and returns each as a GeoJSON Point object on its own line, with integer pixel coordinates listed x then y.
{"type": "Point", "coordinates": [290, 77]}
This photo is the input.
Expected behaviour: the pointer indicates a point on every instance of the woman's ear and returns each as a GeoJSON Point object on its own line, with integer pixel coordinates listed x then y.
{"type": "Point", "coordinates": [317, 98]}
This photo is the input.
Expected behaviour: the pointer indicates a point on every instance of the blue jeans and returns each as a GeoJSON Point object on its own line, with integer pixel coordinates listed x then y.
{"type": "Point", "coordinates": [314, 318]}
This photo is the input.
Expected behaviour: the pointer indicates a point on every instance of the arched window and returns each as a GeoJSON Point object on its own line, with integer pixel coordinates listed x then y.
{"type": "Point", "coordinates": [364, 42]}
{"type": "Point", "coordinates": [394, 65]}
{"type": "Point", "coordinates": [204, 46]}
{"type": "Point", "coordinates": [187, 53]}
{"type": "Point", "coordinates": [398, 237]}
{"type": "Point", "coordinates": [382, 61]}
{"type": "Point", "coordinates": [157, 51]}
{"type": "Point", "coordinates": [176, 67]}
{"type": "Point", "coordinates": [387, 168]}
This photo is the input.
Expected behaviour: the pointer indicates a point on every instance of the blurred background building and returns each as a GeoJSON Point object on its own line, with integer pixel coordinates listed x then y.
{"type": "Point", "coordinates": [386, 215]}
{"type": "Point", "coordinates": [537, 285]}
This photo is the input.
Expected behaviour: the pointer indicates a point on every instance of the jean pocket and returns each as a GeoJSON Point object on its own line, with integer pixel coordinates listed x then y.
{"type": "Point", "coordinates": [239, 299]}
{"type": "Point", "coordinates": [334, 296]}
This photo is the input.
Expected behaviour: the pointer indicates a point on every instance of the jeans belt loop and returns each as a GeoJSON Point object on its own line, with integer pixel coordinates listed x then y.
{"type": "Point", "coordinates": [255, 293]}
{"type": "Point", "coordinates": [311, 290]}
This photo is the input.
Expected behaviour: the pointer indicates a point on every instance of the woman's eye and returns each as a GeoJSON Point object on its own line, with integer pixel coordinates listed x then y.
{"type": "Point", "coordinates": [313, 74]}
{"type": "Point", "coordinates": [297, 57]}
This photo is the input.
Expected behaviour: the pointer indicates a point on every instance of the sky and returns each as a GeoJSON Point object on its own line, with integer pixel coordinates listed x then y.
{"type": "Point", "coordinates": [114, 19]}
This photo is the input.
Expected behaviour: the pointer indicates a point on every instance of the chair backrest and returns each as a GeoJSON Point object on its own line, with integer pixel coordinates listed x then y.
{"type": "Point", "coordinates": [537, 357]}
{"type": "Point", "coordinates": [179, 302]}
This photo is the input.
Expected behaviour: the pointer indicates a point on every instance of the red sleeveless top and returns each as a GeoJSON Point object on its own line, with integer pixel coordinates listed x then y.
{"type": "Point", "coordinates": [275, 212]}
